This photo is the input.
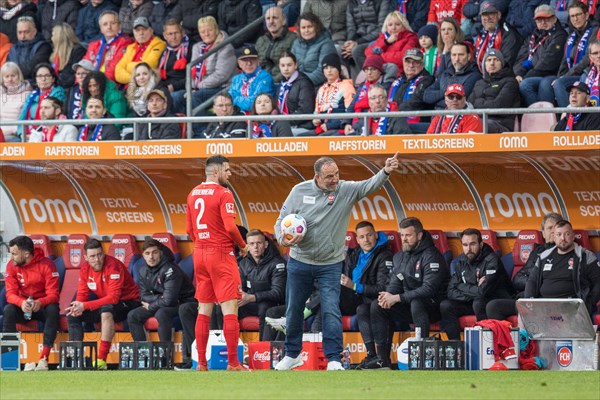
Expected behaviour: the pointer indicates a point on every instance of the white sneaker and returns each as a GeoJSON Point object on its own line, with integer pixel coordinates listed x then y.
{"type": "Point", "coordinates": [335, 366]}
{"type": "Point", "coordinates": [42, 365]}
{"type": "Point", "coordinates": [29, 367]}
{"type": "Point", "coordinates": [288, 363]}
{"type": "Point", "coordinates": [276, 323]}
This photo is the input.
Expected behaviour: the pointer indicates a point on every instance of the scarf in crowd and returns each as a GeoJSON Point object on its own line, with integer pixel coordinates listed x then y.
{"type": "Point", "coordinates": [430, 59]}
{"type": "Point", "coordinates": [96, 135]}
{"type": "Point", "coordinates": [56, 64]}
{"type": "Point", "coordinates": [561, 5]}
{"type": "Point", "coordinates": [533, 46]}
{"type": "Point", "coordinates": [592, 81]}
{"type": "Point", "coordinates": [326, 96]}
{"type": "Point", "coordinates": [40, 96]}
{"type": "Point", "coordinates": [199, 70]}
{"type": "Point", "coordinates": [412, 86]}
{"type": "Point", "coordinates": [378, 127]}
{"type": "Point", "coordinates": [140, 49]}
{"type": "Point", "coordinates": [581, 46]}
{"type": "Point", "coordinates": [487, 40]}
{"type": "Point", "coordinates": [261, 129]}
{"type": "Point", "coordinates": [572, 120]}
{"type": "Point", "coordinates": [247, 81]}
{"type": "Point", "coordinates": [104, 47]}
{"type": "Point", "coordinates": [77, 112]}
{"type": "Point", "coordinates": [402, 6]}
{"type": "Point", "coordinates": [284, 91]}
{"type": "Point", "coordinates": [180, 51]}
{"type": "Point", "coordinates": [9, 13]}
{"type": "Point", "coordinates": [452, 126]}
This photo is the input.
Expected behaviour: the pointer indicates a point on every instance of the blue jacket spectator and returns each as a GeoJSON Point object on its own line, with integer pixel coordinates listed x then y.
{"type": "Point", "coordinates": [88, 28]}
{"type": "Point", "coordinates": [252, 81]}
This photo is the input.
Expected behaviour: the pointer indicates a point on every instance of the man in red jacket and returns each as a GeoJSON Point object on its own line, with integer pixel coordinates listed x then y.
{"type": "Point", "coordinates": [456, 100]}
{"type": "Point", "coordinates": [115, 295]}
{"type": "Point", "coordinates": [32, 293]}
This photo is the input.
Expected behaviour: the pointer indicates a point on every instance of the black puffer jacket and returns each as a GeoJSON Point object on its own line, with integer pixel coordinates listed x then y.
{"type": "Point", "coordinates": [190, 11]}
{"type": "Point", "coordinates": [420, 273]}
{"type": "Point", "coordinates": [265, 280]}
{"type": "Point", "coordinates": [521, 277]}
{"type": "Point", "coordinates": [546, 59]}
{"type": "Point", "coordinates": [500, 90]}
{"type": "Point", "coordinates": [66, 77]}
{"type": "Point", "coordinates": [29, 53]}
{"type": "Point", "coordinates": [9, 26]}
{"type": "Point", "coordinates": [234, 15]}
{"type": "Point", "coordinates": [301, 99]}
{"type": "Point", "coordinates": [165, 285]}
{"type": "Point", "coordinates": [464, 283]}
{"type": "Point", "coordinates": [226, 130]}
{"type": "Point", "coordinates": [59, 11]}
{"type": "Point", "coordinates": [576, 69]}
{"type": "Point", "coordinates": [365, 19]}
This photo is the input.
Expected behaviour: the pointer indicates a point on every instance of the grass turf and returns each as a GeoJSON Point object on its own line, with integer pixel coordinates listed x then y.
{"type": "Point", "coordinates": [509, 385]}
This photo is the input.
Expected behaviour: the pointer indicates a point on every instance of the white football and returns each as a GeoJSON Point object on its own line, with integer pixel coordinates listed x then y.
{"type": "Point", "coordinates": [293, 225]}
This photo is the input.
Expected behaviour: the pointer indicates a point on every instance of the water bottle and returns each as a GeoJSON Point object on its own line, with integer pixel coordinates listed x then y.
{"type": "Point", "coordinates": [27, 315]}
{"type": "Point", "coordinates": [346, 362]}
{"type": "Point", "coordinates": [418, 333]}
{"type": "Point", "coordinates": [125, 358]}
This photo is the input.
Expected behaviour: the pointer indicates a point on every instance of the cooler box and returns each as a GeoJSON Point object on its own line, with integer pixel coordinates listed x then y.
{"type": "Point", "coordinates": [216, 351]}
{"type": "Point", "coordinates": [563, 331]}
{"type": "Point", "coordinates": [10, 345]}
{"type": "Point", "coordinates": [312, 355]}
{"type": "Point", "coordinates": [259, 355]}
{"type": "Point", "coordinates": [479, 349]}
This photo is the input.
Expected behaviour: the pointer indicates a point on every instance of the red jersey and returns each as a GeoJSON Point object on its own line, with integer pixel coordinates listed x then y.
{"type": "Point", "coordinates": [37, 279]}
{"type": "Point", "coordinates": [112, 285]}
{"type": "Point", "coordinates": [440, 9]}
{"type": "Point", "coordinates": [470, 123]}
{"type": "Point", "coordinates": [211, 217]}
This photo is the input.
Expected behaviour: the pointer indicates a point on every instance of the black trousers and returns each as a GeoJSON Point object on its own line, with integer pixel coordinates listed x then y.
{"type": "Point", "coordinates": [501, 308]}
{"type": "Point", "coordinates": [164, 315]}
{"type": "Point", "coordinates": [451, 310]}
{"type": "Point", "coordinates": [49, 315]}
{"type": "Point", "coordinates": [119, 312]}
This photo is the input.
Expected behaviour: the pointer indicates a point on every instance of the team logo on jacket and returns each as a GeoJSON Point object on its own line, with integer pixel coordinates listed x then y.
{"type": "Point", "coordinates": [571, 262]}
{"type": "Point", "coordinates": [525, 252]}
{"type": "Point", "coordinates": [119, 254]}
{"type": "Point", "coordinates": [75, 257]}
{"type": "Point", "coordinates": [229, 207]}
{"type": "Point", "coordinates": [564, 352]}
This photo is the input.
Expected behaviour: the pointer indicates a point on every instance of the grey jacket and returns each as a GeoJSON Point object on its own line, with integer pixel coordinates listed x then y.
{"type": "Point", "coordinates": [220, 67]}
{"type": "Point", "coordinates": [326, 219]}
{"type": "Point", "coordinates": [333, 16]}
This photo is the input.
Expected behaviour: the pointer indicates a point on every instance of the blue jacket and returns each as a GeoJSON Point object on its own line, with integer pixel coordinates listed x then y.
{"type": "Point", "coordinates": [263, 83]}
{"type": "Point", "coordinates": [310, 55]}
{"type": "Point", "coordinates": [32, 104]}
{"type": "Point", "coordinates": [88, 28]}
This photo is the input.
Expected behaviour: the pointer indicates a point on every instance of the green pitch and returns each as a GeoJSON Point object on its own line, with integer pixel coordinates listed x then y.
{"type": "Point", "coordinates": [112, 385]}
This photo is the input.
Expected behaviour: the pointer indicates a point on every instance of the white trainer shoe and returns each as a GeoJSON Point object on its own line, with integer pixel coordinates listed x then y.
{"type": "Point", "coordinates": [289, 363]}
{"type": "Point", "coordinates": [29, 367]}
{"type": "Point", "coordinates": [335, 366]}
{"type": "Point", "coordinates": [42, 365]}
{"type": "Point", "coordinates": [276, 323]}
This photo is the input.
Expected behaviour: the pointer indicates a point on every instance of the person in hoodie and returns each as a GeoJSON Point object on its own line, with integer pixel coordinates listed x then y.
{"type": "Point", "coordinates": [220, 129]}
{"type": "Point", "coordinates": [541, 54]}
{"type": "Point", "coordinates": [88, 29]}
{"type": "Point", "coordinates": [365, 274]}
{"type": "Point", "coordinates": [263, 274]}
{"type": "Point", "coordinates": [163, 288]}
{"type": "Point", "coordinates": [501, 309]}
{"type": "Point", "coordinates": [31, 49]}
{"type": "Point", "coordinates": [32, 287]}
{"type": "Point", "coordinates": [497, 89]}
{"type": "Point", "coordinates": [158, 107]}
{"type": "Point", "coordinates": [479, 277]}
{"type": "Point", "coordinates": [54, 12]}
{"type": "Point", "coordinates": [463, 71]}
{"type": "Point", "coordinates": [417, 285]}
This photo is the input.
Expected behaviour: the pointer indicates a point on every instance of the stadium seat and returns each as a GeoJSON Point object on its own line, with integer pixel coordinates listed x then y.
{"type": "Point", "coordinates": [394, 241]}
{"type": "Point", "coordinates": [187, 266]}
{"type": "Point", "coordinates": [489, 237]}
{"type": "Point", "coordinates": [441, 242]}
{"type": "Point", "coordinates": [351, 242]}
{"type": "Point", "coordinates": [467, 321]}
{"type": "Point", "coordinates": [66, 296]}
{"type": "Point", "coordinates": [542, 122]}
{"type": "Point", "coordinates": [249, 324]}
{"type": "Point", "coordinates": [73, 252]}
{"type": "Point", "coordinates": [42, 242]}
{"type": "Point", "coordinates": [523, 247]}
{"type": "Point", "coordinates": [123, 247]}
{"type": "Point", "coordinates": [582, 237]}
{"type": "Point", "coordinates": [169, 240]}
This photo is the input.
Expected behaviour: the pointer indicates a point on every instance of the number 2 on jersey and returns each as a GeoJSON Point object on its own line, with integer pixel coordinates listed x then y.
{"type": "Point", "coordinates": [199, 205]}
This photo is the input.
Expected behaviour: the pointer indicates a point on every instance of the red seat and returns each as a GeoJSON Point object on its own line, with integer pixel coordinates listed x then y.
{"type": "Point", "coordinates": [74, 252]}
{"type": "Point", "coordinates": [394, 241]}
{"type": "Point", "coordinates": [441, 242]}
{"type": "Point", "coordinates": [523, 246]}
{"type": "Point", "coordinates": [42, 242]}
{"type": "Point", "coordinates": [582, 237]}
{"type": "Point", "coordinates": [467, 321]}
{"type": "Point", "coordinates": [29, 326]}
{"type": "Point", "coordinates": [123, 247]}
{"type": "Point", "coordinates": [249, 324]}
{"type": "Point", "coordinates": [67, 293]}
{"type": "Point", "coordinates": [151, 324]}
{"type": "Point", "coordinates": [169, 240]}
{"type": "Point", "coordinates": [490, 238]}
{"type": "Point", "coordinates": [351, 242]}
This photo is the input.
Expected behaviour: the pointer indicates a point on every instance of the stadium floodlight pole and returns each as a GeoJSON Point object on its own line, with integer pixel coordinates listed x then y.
{"type": "Point", "coordinates": [188, 68]}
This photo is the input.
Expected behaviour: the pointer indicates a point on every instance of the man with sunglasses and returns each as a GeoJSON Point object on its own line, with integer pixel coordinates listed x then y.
{"type": "Point", "coordinates": [455, 100]}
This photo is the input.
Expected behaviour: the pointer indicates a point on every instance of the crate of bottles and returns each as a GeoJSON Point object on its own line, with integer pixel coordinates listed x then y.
{"type": "Point", "coordinates": [436, 354]}
{"type": "Point", "coordinates": [146, 355]}
{"type": "Point", "coordinates": [77, 355]}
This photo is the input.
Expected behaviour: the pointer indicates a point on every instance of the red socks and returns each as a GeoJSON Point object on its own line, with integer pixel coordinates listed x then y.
{"type": "Point", "coordinates": [104, 349]}
{"type": "Point", "coordinates": [45, 353]}
{"type": "Point", "coordinates": [202, 332]}
{"type": "Point", "coordinates": [231, 330]}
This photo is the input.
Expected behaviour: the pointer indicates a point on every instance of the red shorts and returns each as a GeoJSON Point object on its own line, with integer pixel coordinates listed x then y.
{"type": "Point", "coordinates": [217, 276]}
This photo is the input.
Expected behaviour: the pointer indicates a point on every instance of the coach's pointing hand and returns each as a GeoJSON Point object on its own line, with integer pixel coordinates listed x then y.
{"type": "Point", "coordinates": [392, 163]}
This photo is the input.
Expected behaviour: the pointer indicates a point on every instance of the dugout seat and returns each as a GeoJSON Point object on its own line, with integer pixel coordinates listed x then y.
{"type": "Point", "coordinates": [441, 242]}
{"type": "Point", "coordinates": [124, 248]}
{"type": "Point", "coordinates": [489, 237]}
{"type": "Point", "coordinates": [42, 242]}
{"type": "Point", "coordinates": [250, 323]}
{"type": "Point", "coordinates": [169, 240]}
{"type": "Point", "coordinates": [542, 122]}
{"type": "Point", "coordinates": [74, 252]}
{"type": "Point", "coordinates": [582, 237]}
{"type": "Point", "coordinates": [394, 241]}
{"type": "Point", "coordinates": [522, 248]}
{"type": "Point", "coordinates": [66, 296]}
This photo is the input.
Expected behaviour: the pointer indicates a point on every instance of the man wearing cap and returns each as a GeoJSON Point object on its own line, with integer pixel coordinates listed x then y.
{"type": "Point", "coordinates": [378, 103]}
{"type": "Point", "coordinates": [106, 52]}
{"type": "Point", "coordinates": [375, 74]}
{"type": "Point", "coordinates": [497, 89]}
{"type": "Point", "coordinates": [408, 89]}
{"type": "Point", "coordinates": [496, 35]}
{"type": "Point", "coordinates": [146, 48]}
{"type": "Point", "coordinates": [274, 42]}
{"type": "Point", "coordinates": [158, 106]}
{"type": "Point", "coordinates": [541, 53]}
{"type": "Point", "coordinates": [455, 100]}
{"type": "Point", "coordinates": [51, 108]}
{"type": "Point", "coordinates": [462, 71]}
{"type": "Point", "coordinates": [74, 105]}
{"type": "Point", "coordinates": [252, 81]}
{"type": "Point", "coordinates": [579, 96]}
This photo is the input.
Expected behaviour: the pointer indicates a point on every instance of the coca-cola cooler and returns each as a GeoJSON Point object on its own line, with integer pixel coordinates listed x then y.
{"type": "Point", "coordinates": [259, 355]}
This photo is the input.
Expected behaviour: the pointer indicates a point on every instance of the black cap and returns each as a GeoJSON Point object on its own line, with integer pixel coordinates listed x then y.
{"type": "Point", "coordinates": [247, 50]}
{"type": "Point", "coordinates": [581, 86]}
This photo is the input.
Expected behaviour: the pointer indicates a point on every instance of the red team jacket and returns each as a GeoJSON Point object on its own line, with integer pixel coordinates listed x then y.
{"type": "Point", "coordinates": [468, 123]}
{"type": "Point", "coordinates": [211, 217]}
{"type": "Point", "coordinates": [37, 279]}
{"type": "Point", "coordinates": [112, 57]}
{"type": "Point", "coordinates": [440, 9]}
{"type": "Point", "coordinates": [112, 285]}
